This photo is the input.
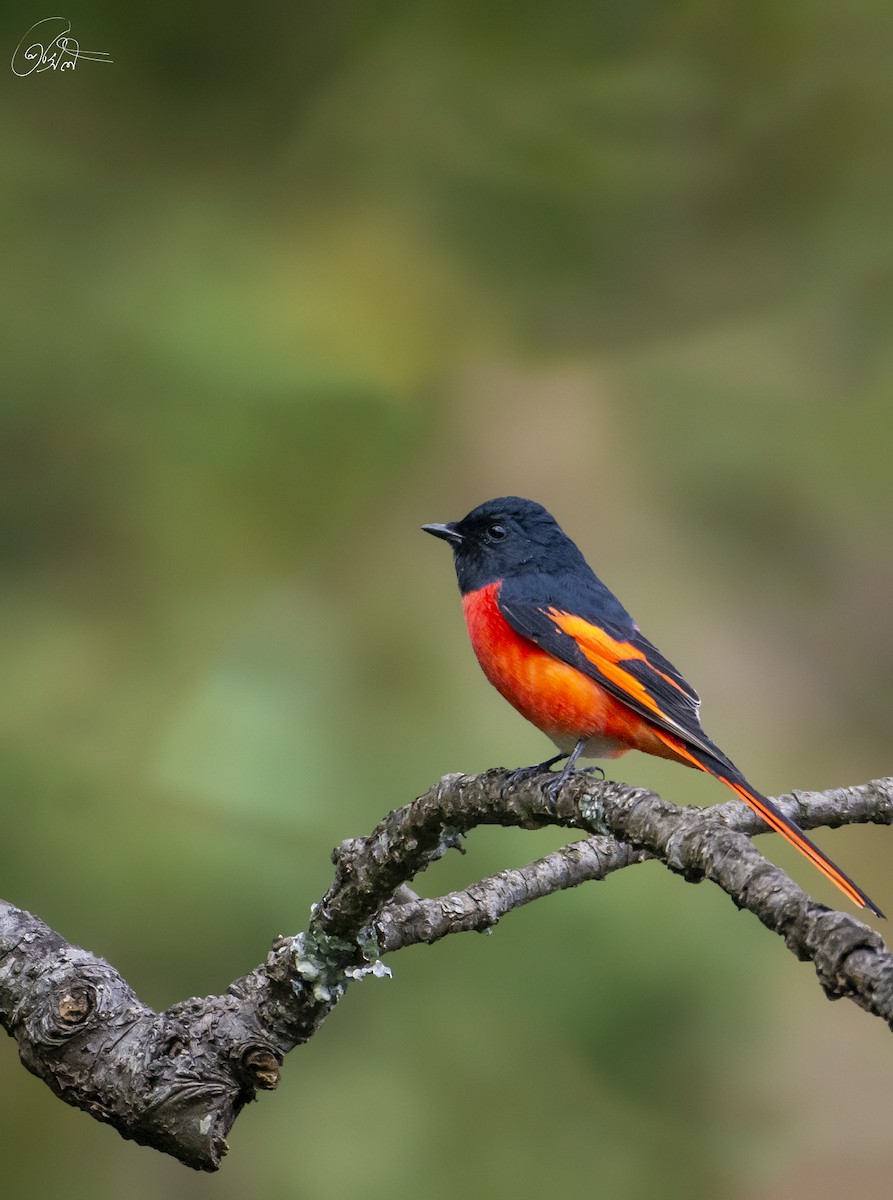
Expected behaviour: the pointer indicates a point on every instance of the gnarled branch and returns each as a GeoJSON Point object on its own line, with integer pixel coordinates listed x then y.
{"type": "Point", "coordinates": [176, 1080]}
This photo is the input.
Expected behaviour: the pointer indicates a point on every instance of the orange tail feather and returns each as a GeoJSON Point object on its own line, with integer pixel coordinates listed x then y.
{"type": "Point", "coordinates": [774, 818]}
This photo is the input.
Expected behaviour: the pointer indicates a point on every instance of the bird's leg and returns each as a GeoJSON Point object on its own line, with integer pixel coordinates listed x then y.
{"type": "Point", "coordinates": [523, 773]}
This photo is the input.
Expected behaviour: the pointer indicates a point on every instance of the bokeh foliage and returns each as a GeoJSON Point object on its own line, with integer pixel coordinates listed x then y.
{"type": "Point", "coordinates": [281, 284]}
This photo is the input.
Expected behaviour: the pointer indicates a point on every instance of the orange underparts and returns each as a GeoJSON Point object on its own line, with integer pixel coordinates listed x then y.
{"type": "Point", "coordinates": [555, 697]}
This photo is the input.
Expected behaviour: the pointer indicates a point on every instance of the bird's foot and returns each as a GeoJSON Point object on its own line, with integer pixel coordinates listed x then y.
{"type": "Point", "coordinates": [554, 786]}
{"type": "Point", "coordinates": [552, 789]}
{"type": "Point", "coordinates": [522, 774]}
{"type": "Point", "coordinates": [558, 778]}
{"type": "Point", "coordinates": [597, 771]}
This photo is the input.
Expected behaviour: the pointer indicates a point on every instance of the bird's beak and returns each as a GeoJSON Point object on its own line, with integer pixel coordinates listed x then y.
{"type": "Point", "coordinates": [449, 533]}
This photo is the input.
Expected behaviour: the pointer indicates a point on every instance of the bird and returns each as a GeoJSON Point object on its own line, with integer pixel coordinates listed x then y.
{"type": "Point", "coordinates": [560, 647]}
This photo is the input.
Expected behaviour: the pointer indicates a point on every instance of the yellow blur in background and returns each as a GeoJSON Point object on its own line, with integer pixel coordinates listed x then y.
{"type": "Point", "coordinates": [281, 285]}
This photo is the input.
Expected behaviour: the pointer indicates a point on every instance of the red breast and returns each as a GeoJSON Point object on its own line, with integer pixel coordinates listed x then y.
{"type": "Point", "coordinates": [557, 698]}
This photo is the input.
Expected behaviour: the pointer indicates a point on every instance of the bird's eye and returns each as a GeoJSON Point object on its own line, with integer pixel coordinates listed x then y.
{"type": "Point", "coordinates": [495, 533]}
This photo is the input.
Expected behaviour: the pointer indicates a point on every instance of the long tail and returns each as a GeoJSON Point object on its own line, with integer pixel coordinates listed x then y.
{"type": "Point", "coordinates": [720, 768]}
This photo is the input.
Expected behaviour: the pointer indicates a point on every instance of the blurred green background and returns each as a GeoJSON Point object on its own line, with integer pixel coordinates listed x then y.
{"type": "Point", "coordinates": [281, 284]}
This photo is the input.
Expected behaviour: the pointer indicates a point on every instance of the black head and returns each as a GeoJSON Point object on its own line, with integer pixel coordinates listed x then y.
{"type": "Point", "coordinates": [504, 538]}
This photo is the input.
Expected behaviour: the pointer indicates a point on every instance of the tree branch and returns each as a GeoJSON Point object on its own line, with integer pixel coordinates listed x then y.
{"type": "Point", "coordinates": [177, 1080]}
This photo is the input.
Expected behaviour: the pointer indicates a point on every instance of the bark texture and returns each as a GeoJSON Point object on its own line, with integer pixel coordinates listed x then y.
{"type": "Point", "coordinates": [177, 1080]}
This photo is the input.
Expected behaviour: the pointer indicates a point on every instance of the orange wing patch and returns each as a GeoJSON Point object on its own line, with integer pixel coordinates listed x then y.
{"type": "Point", "coordinates": [607, 654]}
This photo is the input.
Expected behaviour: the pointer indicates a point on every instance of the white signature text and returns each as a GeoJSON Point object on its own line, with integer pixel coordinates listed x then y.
{"type": "Point", "coordinates": [52, 49]}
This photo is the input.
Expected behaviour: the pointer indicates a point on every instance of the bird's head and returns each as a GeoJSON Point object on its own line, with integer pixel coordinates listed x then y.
{"type": "Point", "coordinates": [503, 538]}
